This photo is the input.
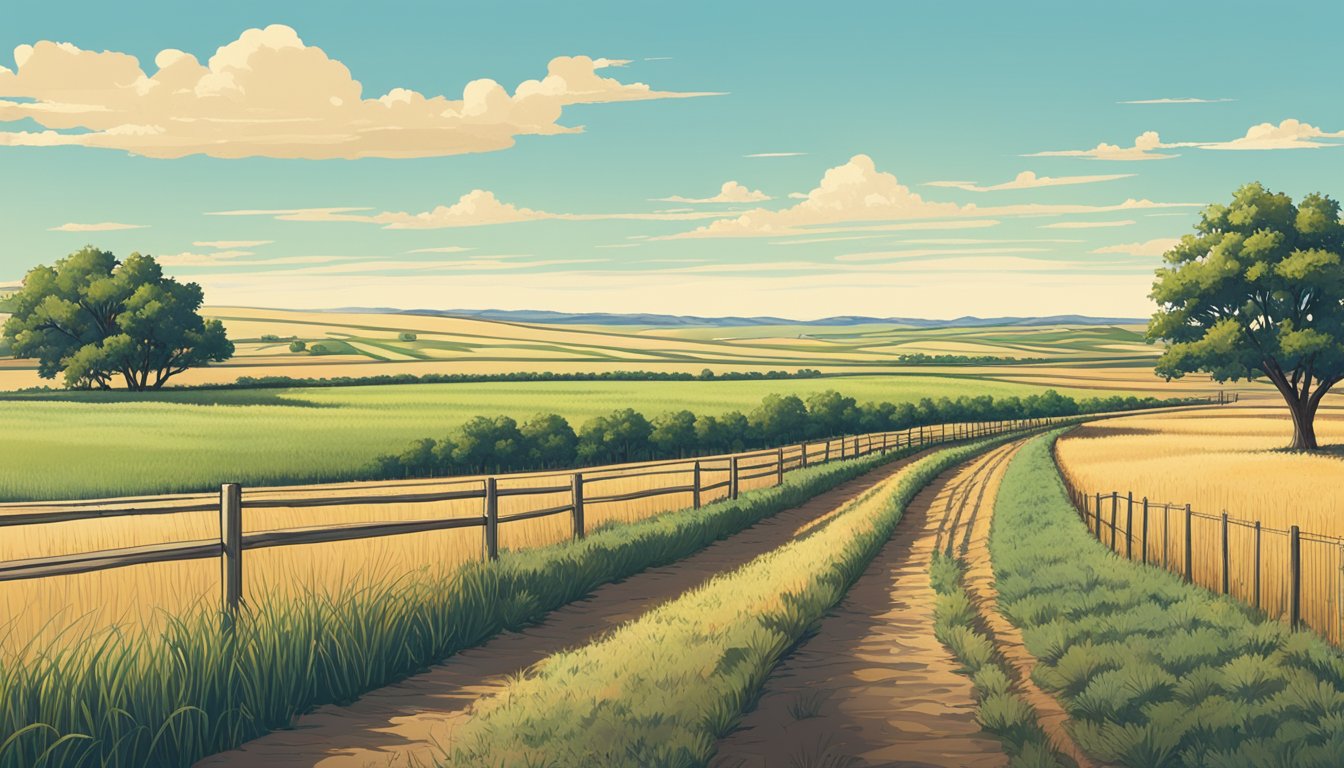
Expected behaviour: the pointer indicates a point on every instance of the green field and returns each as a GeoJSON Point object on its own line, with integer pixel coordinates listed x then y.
{"type": "Point", "coordinates": [79, 445]}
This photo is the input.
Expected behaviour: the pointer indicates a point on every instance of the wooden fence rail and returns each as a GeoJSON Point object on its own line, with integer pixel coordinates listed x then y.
{"type": "Point", "coordinates": [581, 489]}
{"type": "Point", "coordinates": [1287, 574]}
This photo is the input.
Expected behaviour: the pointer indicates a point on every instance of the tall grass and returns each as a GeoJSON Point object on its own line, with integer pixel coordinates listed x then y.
{"type": "Point", "coordinates": [1000, 708]}
{"type": "Point", "coordinates": [661, 689]}
{"type": "Point", "coordinates": [1154, 672]}
{"type": "Point", "coordinates": [167, 699]}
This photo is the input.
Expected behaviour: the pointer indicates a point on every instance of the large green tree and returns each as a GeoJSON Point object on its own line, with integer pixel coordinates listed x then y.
{"type": "Point", "coordinates": [1258, 291]}
{"type": "Point", "coordinates": [98, 320]}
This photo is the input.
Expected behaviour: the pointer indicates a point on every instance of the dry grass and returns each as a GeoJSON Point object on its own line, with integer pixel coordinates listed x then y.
{"type": "Point", "coordinates": [1225, 460]}
{"type": "Point", "coordinates": [41, 611]}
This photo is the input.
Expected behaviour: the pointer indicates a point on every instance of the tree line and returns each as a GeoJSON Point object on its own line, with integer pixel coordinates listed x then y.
{"type": "Point", "coordinates": [547, 441]}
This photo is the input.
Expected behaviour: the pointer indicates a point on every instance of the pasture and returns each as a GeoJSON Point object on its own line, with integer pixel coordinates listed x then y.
{"type": "Point", "coordinates": [80, 445]}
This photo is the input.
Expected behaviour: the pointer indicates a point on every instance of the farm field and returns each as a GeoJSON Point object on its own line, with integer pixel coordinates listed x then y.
{"type": "Point", "coordinates": [364, 344]}
{"type": "Point", "coordinates": [193, 440]}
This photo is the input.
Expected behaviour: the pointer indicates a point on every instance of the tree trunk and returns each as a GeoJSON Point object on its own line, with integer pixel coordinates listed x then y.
{"type": "Point", "coordinates": [1304, 426]}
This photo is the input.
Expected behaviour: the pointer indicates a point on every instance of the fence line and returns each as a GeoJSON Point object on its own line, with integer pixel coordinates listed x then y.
{"type": "Point", "coordinates": [1288, 574]}
{"type": "Point", "coordinates": [702, 480]}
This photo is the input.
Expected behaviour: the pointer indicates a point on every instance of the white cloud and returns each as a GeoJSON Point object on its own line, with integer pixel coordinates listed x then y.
{"type": "Point", "coordinates": [1288, 134]}
{"type": "Point", "coordinates": [926, 253]}
{"type": "Point", "coordinates": [730, 192]}
{"type": "Point", "coordinates": [797, 195]}
{"type": "Point", "coordinates": [1096, 224]}
{"type": "Point", "coordinates": [269, 94]}
{"type": "Point", "coordinates": [230, 244]}
{"type": "Point", "coordinates": [857, 192]}
{"type": "Point", "coordinates": [777, 154]}
{"type": "Point", "coordinates": [1143, 149]}
{"type": "Point", "coordinates": [1187, 100]}
{"type": "Point", "coordinates": [106, 226]}
{"type": "Point", "coordinates": [1029, 180]}
{"type": "Point", "coordinates": [1148, 248]}
{"type": "Point", "coordinates": [442, 249]}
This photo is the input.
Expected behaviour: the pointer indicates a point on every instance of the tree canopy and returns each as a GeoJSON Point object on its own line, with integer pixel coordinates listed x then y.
{"type": "Point", "coordinates": [96, 320]}
{"type": "Point", "coordinates": [1258, 290]}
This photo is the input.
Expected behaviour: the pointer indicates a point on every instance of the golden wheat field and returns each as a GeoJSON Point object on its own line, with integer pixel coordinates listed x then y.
{"type": "Point", "coordinates": [1223, 460]}
{"type": "Point", "coordinates": [144, 596]}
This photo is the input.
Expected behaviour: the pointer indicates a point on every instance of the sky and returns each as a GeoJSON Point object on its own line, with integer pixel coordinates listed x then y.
{"type": "Point", "coordinates": [905, 159]}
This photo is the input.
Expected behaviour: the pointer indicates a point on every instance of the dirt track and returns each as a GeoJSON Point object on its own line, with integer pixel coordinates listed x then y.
{"type": "Point", "coordinates": [404, 724]}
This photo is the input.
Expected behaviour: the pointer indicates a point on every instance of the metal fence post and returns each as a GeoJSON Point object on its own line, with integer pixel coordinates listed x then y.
{"type": "Point", "coordinates": [1115, 507]}
{"type": "Point", "coordinates": [695, 484]}
{"type": "Point", "coordinates": [231, 548]}
{"type": "Point", "coordinates": [1294, 577]}
{"type": "Point", "coordinates": [1226, 576]}
{"type": "Point", "coordinates": [577, 495]}
{"type": "Point", "coordinates": [1189, 555]}
{"type": "Point", "coordinates": [1098, 511]}
{"type": "Point", "coordinates": [491, 519]}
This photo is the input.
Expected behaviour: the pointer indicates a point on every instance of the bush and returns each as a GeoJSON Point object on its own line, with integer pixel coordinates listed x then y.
{"type": "Point", "coordinates": [321, 349]}
{"type": "Point", "coordinates": [298, 346]}
{"type": "Point", "coordinates": [406, 336]}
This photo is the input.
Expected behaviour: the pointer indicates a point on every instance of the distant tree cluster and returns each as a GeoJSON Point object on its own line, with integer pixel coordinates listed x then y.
{"type": "Point", "coordinates": [96, 321]}
{"type": "Point", "coordinates": [269, 382]}
{"type": "Point", "coordinates": [547, 441]}
{"type": "Point", "coordinates": [919, 358]}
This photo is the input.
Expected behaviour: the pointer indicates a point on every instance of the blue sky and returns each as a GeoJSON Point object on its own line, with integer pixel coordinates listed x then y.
{"type": "Point", "coordinates": [895, 96]}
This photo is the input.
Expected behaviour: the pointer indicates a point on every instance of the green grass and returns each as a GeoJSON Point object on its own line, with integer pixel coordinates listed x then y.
{"type": "Point", "coordinates": [1152, 671]}
{"type": "Point", "coordinates": [1000, 708]}
{"type": "Point", "coordinates": [660, 690]}
{"type": "Point", "coordinates": [130, 700]}
{"type": "Point", "coordinates": [85, 444]}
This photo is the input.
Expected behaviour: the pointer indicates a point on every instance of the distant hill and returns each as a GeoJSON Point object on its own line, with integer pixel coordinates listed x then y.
{"type": "Point", "coordinates": [687, 321]}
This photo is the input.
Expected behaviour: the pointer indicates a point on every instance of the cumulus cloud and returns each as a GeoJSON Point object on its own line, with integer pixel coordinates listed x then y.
{"type": "Point", "coordinates": [269, 94]}
{"type": "Point", "coordinates": [1029, 180]}
{"type": "Point", "coordinates": [1144, 148]}
{"type": "Point", "coordinates": [1288, 134]}
{"type": "Point", "coordinates": [106, 226]}
{"type": "Point", "coordinates": [857, 192]}
{"type": "Point", "coordinates": [1095, 224]}
{"type": "Point", "coordinates": [1155, 247]}
{"type": "Point", "coordinates": [1186, 100]}
{"type": "Point", "coordinates": [730, 192]}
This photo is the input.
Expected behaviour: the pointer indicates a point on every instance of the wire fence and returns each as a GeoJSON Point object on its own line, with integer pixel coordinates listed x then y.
{"type": "Point", "coordinates": [1289, 574]}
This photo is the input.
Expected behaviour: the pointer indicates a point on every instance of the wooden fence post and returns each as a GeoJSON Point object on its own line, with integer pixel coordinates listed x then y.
{"type": "Point", "coordinates": [1129, 526]}
{"type": "Point", "coordinates": [1226, 576]}
{"type": "Point", "coordinates": [1189, 555]}
{"type": "Point", "coordinates": [695, 484]}
{"type": "Point", "coordinates": [1098, 511]}
{"type": "Point", "coordinates": [1145, 530]}
{"type": "Point", "coordinates": [576, 496]}
{"type": "Point", "coordinates": [231, 548]}
{"type": "Point", "coordinates": [732, 478]}
{"type": "Point", "coordinates": [491, 519]}
{"type": "Point", "coordinates": [828, 450]}
{"type": "Point", "coordinates": [1257, 565]}
{"type": "Point", "coordinates": [1115, 507]}
{"type": "Point", "coordinates": [1294, 577]}
{"type": "Point", "coordinates": [779, 473]}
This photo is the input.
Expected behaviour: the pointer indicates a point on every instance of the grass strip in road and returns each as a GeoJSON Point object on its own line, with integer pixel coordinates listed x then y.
{"type": "Point", "coordinates": [1154, 672]}
{"type": "Point", "coordinates": [1000, 709]}
{"type": "Point", "coordinates": [660, 690]}
{"type": "Point", "coordinates": [133, 700]}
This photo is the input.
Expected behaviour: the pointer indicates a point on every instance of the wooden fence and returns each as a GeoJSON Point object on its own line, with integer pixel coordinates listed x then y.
{"type": "Point", "coordinates": [1288, 574]}
{"type": "Point", "coordinates": [533, 495]}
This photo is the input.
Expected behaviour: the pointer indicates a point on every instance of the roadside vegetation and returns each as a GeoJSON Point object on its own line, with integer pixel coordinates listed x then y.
{"type": "Point", "coordinates": [606, 703]}
{"type": "Point", "coordinates": [1000, 708]}
{"type": "Point", "coordinates": [1152, 671]}
{"type": "Point", "coordinates": [128, 699]}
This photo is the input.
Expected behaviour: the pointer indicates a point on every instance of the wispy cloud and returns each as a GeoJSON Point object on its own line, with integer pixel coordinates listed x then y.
{"type": "Point", "coordinates": [1097, 224]}
{"type": "Point", "coordinates": [777, 154]}
{"type": "Point", "coordinates": [442, 249]}
{"type": "Point", "coordinates": [105, 226]}
{"type": "Point", "coordinates": [1144, 148]}
{"type": "Point", "coordinates": [1029, 180]}
{"type": "Point", "coordinates": [1155, 247]}
{"type": "Point", "coordinates": [1188, 100]}
{"type": "Point", "coordinates": [269, 94]}
{"type": "Point", "coordinates": [231, 244]}
{"type": "Point", "coordinates": [729, 192]}
{"type": "Point", "coordinates": [1288, 134]}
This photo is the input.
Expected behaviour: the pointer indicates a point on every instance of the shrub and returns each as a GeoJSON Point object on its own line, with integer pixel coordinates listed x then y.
{"type": "Point", "coordinates": [298, 346]}
{"type": "Point", "coordinates": [406, 336]}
